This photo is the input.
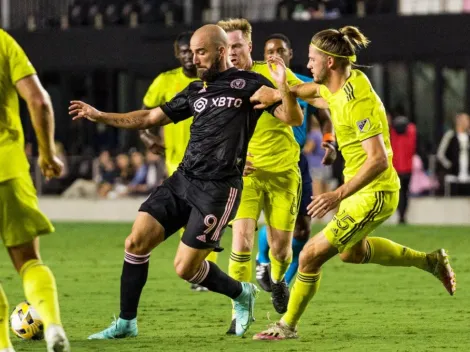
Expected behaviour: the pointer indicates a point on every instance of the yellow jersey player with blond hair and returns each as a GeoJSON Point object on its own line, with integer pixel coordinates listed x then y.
{"type": "Point", "coordinates": [21, 221]}
{"type": "Point", "coordinates": [369, 195]}
{"type": "Point", "coordinates": [272, 180]}
{"type": "Point", "coordinates": [176, 136]}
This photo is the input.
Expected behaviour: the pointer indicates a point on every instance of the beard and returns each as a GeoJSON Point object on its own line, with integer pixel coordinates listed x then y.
{"type": "Point", "coordinates": [209, 74]}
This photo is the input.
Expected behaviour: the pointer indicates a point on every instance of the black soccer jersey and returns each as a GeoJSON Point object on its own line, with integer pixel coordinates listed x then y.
{"type": "Point", "coordinates": [224, 121]}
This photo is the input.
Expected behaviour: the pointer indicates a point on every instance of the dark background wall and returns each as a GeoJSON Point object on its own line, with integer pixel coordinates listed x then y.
{"type": "Point", "coordinates": [443, 38]}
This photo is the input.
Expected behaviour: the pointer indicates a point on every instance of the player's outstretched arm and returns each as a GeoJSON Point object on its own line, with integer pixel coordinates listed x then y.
{"type": "Point", "coordinates": [140, 119]}
{"type": "Point", "coordinates": [42, 117]}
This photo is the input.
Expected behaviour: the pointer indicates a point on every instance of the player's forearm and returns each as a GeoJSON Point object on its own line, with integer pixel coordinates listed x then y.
{"type": "Point", "coordinates": [42, 118]}
{"type": "Point", "coordinates": [325, 122]}
{"type": "Point", "coordinates": [306, 91]}
{"type": "Point", "coordinates": [293, 113]}
{"type": "Point", "coordinates": [369, 171]}
{"type": "Point", "coordinates": [139, 119]}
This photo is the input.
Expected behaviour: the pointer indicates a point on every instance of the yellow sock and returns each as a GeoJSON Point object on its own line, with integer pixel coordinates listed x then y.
{"type": "Point", "coordinates": [305, 287]}
{"type": "Point", "coordinates": [4, 323]}
{"type": "Point", "coordinates": [385, 252]}
{"type": "Point", "coordinates": [41, 291]}
{"type": "Point", "coordinates": [212, 257]}
{"type": "Point", "coordinates": [239, 268]}
{"type": "Point", "coordinates": [278, 269]}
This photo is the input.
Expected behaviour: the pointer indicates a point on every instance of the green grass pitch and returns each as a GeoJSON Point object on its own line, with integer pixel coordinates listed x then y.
{"type": "Point", "coordinates": [358, 308]}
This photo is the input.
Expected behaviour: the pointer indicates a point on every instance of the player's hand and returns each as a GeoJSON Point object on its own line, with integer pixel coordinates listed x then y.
{"type": "Point", "coordinates": [249, 168]}
{"type": "Point", "coordinates": [277, 69]}
{"type": "Point", "coordinates": [322, 204]}
{"type": "Point", "coordinates": [82, 110]}
{"type": "Point", "coordinates": [264, 97]}
{"type": "Point", "coordinates": [50, 166]}
{"type": "Point", "coordinates": [152, 142]}
{"type": "Point", "coordinates": [330, 153]}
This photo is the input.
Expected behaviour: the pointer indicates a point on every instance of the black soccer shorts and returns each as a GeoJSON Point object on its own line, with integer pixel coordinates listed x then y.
{"type": "Point", "coordinates": [204, 208]}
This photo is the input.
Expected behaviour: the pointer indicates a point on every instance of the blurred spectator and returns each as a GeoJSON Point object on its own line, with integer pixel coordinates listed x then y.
{"type": "Point", "coordinates": [138, 184]}
{"type": "Point", "coordinates": [125, 172]}
{"type": "Point", "coordinates": [304, 10]}
{"type": "Point", "coordinates": [421, 183]}
{"type": "Point", "coordinates": [156, 170]}
{"type": "Point", "coordinates": [84, 187]}
{"type": "Point", "coordinates": [320, 173]}
{"type": "Point", "coordinates": [453, 154]}
{"type": "Point", "coordinates": [108, 175]}
{"type": "Point", "coordinates": [403, 141]}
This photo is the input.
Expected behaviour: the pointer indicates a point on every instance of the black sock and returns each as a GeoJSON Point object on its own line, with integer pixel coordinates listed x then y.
{"type": "Point", "coordinates": [134, 276]}
{"type": "Point", "coordinates": [210, 276]}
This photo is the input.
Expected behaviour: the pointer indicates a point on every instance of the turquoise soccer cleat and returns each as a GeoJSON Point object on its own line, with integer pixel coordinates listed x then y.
{"type": "Point", "coordinates": [118, 329]}
{"type": "Point", "coordinates": [244, 305]}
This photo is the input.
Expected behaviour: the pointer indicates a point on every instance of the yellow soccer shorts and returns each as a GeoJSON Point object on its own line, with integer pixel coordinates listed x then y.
{"type": "Point", "coordinates": [358, 216]}
{"type": "Point", "coordinates": [278, 194]}
{"type": "Point", "coordinates": [21, 220]}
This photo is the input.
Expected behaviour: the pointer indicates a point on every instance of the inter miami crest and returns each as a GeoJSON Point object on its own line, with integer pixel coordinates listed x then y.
{"type": "Point", "coordinates": [238, 83]}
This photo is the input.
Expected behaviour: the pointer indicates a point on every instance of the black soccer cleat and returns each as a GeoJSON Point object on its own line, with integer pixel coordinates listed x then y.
{"type": "Point", "coordinates": [280, 296]}
{"type": "Point", "coordinates": [198, 288]}
{"type": "Point", "coordinates": [231, 329]}
{"type": "Point", "coordinates": [263, 276]}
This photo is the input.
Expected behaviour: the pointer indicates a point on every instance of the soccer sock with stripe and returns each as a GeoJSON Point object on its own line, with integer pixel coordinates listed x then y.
{"type": "Point", "coordinates": [240, 266]}
{"type": "Point", "coordinates": [133, 278]}
{"type": "Point", "coordinates": [4, 312]}
{"type": "Point", "coordinates": [388, 253]}
{"type": "Point", "coordinates": [41, 291]}
{"type": "Point", "coordinates": [209, 275]}
{"type": "Point", "coordinates": [305, 287]}
{"type": "Point", "coordinates": [278, 268]}
{"type": "Point", "coordinates": [263, 246]}
{"type": "Point", "coordinates": [297, 246]}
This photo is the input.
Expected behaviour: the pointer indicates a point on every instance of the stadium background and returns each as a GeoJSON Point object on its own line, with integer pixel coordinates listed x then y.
{"type": "Point", "coordinates": [107, 53]}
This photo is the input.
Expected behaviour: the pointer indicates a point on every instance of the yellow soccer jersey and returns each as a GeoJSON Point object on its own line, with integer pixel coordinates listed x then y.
{"type": "Point", "coordinates": [273, 145]}
{"type": "Point", "coordinates": [357, 113]}
{"type": "Point", "coordinates": [14, 66]}
{"type": "Point", "coordinates": [162, 90]}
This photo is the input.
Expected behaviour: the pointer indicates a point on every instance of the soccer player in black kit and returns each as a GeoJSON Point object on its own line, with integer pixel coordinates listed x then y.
{"type": "Point", "coordinates": [204, 193]}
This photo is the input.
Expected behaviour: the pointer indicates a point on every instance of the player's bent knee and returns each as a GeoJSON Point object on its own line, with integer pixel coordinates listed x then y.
{"type": "Point", "coordinates": [137, 244]}
{"type": "Point", "coordinates": [185, 270]}
{"type": "Point", "coordinates": [281, 250]}
{"type": "Point", "coordinates": [352, 257]}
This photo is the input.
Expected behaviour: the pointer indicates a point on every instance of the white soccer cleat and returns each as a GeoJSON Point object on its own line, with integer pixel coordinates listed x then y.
{"type": "Point", "coordinates": [56, 339]}
{"type": "Point", "coordinates": [9, 349]}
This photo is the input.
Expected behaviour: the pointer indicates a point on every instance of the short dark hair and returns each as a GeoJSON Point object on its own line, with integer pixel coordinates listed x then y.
{"type": "Point", "coordinates": [183, 38]}
{"type": "Point", "coordinates": [280, 36]}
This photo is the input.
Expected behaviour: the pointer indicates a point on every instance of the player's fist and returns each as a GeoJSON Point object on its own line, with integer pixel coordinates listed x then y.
{"type": "Point", "coordinates": [152, 142]}
{"type": "Point", "coordinates": [80, 110]}
{"type": "Point", "coordinates": [330, 153]}
{"type": "Point", "coordinates": [50, 166]}
{"type": "Point", "coordinates": [264, 97]}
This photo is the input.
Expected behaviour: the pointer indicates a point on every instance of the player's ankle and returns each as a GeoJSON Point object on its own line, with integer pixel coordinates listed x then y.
{"type": "Point", "coordinates": [285, 325]}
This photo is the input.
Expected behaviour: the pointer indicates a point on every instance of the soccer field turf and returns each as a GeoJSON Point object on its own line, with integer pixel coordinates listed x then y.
{"type": "Point", "coordinates": [358, 307]}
